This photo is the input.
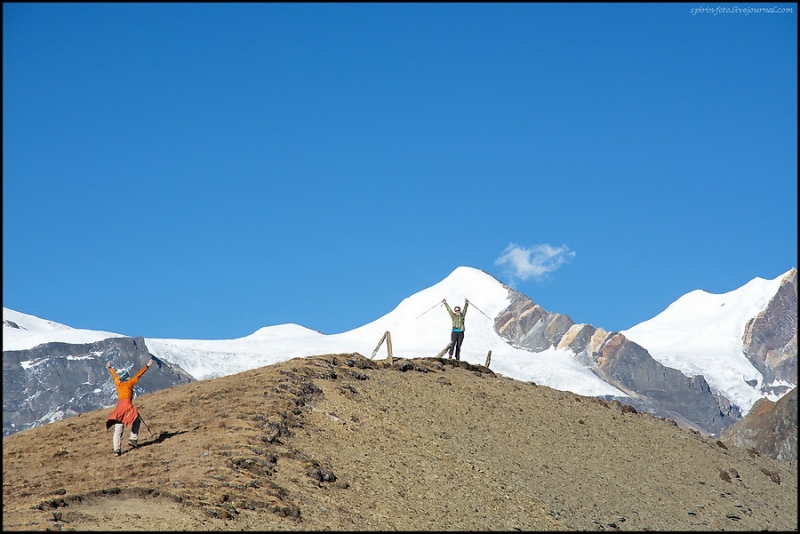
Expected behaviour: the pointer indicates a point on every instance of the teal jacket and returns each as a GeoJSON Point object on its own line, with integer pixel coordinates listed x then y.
{"type": "Point", "coordinates": [458, 318]}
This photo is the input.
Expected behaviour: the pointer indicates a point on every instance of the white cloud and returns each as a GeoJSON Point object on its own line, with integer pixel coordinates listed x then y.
{"type": "Point", "coordinates": [535, 262]}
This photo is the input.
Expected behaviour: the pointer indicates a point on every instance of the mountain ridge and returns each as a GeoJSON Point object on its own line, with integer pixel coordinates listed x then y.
{"type": "Point", "coordinates": [550, 349]}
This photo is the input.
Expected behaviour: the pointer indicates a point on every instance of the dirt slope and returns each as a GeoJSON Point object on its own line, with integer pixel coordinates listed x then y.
{"type": "Point", "coordinates": [345, 443]}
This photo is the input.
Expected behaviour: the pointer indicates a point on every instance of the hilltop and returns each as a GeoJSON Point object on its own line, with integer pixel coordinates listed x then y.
{"type": "Point", "coordinates": [706, 383]}
{"type": "Point", "coordinates": [343, 442]}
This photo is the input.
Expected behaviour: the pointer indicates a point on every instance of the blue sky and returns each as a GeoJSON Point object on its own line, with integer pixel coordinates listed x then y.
{"type": "Point", "coordinates": [200, 171]}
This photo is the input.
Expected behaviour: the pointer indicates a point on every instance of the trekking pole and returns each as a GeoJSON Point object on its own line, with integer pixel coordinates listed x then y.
{"type": "Point", "coordinates": [145, 425]}
{"type": "Point", "coordinates": [426, 311]}
{"type": "Point", "coordinates": [473, 305]}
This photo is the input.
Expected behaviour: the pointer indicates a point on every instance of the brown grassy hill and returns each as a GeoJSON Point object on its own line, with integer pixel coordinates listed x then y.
{"type": "Point", "coordinates": [345, 443]}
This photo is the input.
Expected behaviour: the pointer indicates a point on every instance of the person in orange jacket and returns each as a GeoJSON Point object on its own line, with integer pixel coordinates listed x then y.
{"type": "Point", "coordinates": [125, 412]}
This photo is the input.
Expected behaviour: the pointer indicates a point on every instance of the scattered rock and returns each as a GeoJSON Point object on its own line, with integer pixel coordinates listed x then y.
{"type": "Point", "coordinates": [322, 475]}
{"type": "Point", "coordinates": [773, 475]}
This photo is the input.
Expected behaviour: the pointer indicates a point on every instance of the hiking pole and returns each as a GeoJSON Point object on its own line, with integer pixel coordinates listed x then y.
{"type": "Point", "coordinates": [473, 305]}
{"type": "Point", "coordinates": [426, 311]}
{"type": "Point", "coordinates": [145, 425]}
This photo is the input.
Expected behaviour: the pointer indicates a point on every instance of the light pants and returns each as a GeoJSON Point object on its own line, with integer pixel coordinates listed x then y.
{"type": "Point", "coordinates": [119, 427]}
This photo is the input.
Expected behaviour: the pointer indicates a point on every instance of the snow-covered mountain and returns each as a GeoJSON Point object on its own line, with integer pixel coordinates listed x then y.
{"type": "Point", "coordinates": [21, 332]}
{"type": "Point", "coordinates": [701, 334]}
{"type": "Point", "coordinates": [419, 327]}
{"type": "Point", "coordinates": [704, 334]}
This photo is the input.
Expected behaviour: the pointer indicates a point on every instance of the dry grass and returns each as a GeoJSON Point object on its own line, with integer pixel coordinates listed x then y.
{"type": "Point", "coordinates": [341, 442]}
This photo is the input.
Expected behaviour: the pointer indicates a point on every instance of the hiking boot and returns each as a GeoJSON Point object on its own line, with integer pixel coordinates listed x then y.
{"type": "Point", "coordinates": [117, 452]}
{"type": "Point", "coordinates": [133, 443]}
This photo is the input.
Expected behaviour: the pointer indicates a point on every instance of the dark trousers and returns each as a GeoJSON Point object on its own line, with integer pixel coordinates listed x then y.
{"type": "Point", "coordinates": [456, 338]}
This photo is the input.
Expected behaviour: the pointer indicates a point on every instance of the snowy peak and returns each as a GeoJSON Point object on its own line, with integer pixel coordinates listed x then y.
{"type": "Point", "coordinates": [464, 283]}
{"type": "Point", "coordinates": [422, 325]}
{"type": "Point", "coordinates": [21, 332]}
{"type": "Point", "coordinates": [705, 334]}
{"type": "Point", "coordinates": [30, 323]}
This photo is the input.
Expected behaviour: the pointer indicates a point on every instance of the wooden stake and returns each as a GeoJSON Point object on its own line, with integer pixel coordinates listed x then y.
{"type": "Point", "coordinates": [388, 337]}
{"type": "Point", "coordinates": [374, 352]}
{"type": "Point", "coordinates": [444, 350]}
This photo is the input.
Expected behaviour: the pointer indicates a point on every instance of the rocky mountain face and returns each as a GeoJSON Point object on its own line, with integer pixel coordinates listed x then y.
{"type": "Point", "coordinates": [770, 428]}
{"type": "Point", "coordinates": [770, 339]}
{"type": "Point", "coordinates": [652, 387]}
{"type": "Point", "coordinates": [57, 380]}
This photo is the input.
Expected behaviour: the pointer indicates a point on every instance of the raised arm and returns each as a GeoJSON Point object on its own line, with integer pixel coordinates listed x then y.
{"type": "Point", "coordinates": [113, 372]}
{"type": "Point", "coordinates": [142, 371]}
{"type": "Point", "coordinates": [446, 305]}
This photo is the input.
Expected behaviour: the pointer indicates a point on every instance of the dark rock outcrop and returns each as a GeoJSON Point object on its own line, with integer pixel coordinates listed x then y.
{"type": "Point", "coordinates": [769, 428]}
{"type": "Point", "coordinates": [770, 339]}
{"type": "Point", "coordinates": [56, 380]}
{"type": "Point", "coordinates": [620, 362]}
{"type": "Point", "coordinates": [657, 389]}
{"type": "Point", "coordinates": [527, 325]}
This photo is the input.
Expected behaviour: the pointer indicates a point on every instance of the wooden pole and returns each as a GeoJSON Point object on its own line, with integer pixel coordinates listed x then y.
{"type": "Point", "coordinates": [388, 337]}
{"type": "Point", "coordinates": [389, 346]}
{"type": "Point", "coordinates": [374, 352]}
{"type": "Point", "coordinates": [444, 350]}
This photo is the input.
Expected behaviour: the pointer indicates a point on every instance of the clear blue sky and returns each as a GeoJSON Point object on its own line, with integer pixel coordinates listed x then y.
{"type": "Point", "coordinates": [200, 171]}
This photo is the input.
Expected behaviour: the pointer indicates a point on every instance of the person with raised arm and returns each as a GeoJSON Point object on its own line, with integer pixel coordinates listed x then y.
{"type": "Point", "coordinates": [457, 333]}
{"type": "Point", "coordinates": [125, 413]}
